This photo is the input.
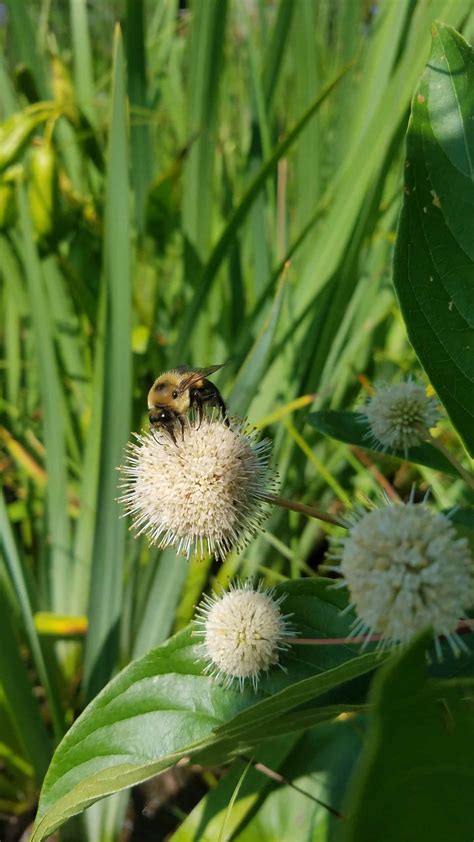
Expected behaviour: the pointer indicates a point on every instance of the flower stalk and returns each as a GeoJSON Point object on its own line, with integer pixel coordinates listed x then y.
{"type": "Point", "coordinates": [301, 508]}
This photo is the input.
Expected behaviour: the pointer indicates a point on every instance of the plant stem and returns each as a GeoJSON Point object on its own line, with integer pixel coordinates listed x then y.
{"type": "Point", "coordinates": [275, 776]}
{"type": "Point", "coordinates": [304, 510]}
{"type": "Point", "coordinates": [464, 626]}
{"type": "Point", "coordinates": [332, 641]}
{"type": "Point", "coordinates": [467, 477]}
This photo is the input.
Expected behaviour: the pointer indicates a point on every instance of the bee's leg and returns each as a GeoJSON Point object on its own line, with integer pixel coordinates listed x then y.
{"type": "Point", "coordinates": [182, 422]}
{"type": "Point", "coordinates": [217, 401]}
{"type": "Point", "coordinates": [211, 397]}
{"type": "Point", "coordinates": [200, 412]}
{"type": "Point", "coordinates": [223, 409]}
{"type": "Point", "coordinates": [196, 401]}
{"type": "Point", "coordinates": [172, 436]}
{"type": "Point", "coordinates": [153, 432]}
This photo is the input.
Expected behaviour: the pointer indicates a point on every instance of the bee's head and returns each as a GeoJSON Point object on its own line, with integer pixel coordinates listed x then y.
{"type": "Point", "coordinates": [166, 393]}
{"type": "Point", "coordinates": [162, 417]}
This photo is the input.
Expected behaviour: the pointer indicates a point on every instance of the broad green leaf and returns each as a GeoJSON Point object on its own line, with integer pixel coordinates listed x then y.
{"type": "Point", "coordinates": [206, 820]}
{"type": "Point", "coordinates": [319, 765]}
{"type": "Point", "coordinates": [162, 707]}
{"type": "Point", "coordinates": [350, 428]}
{"type": "Point", "coordinates": [434, 260]}
{"type": "Point", "coordinates": [319, 762]}
{"type": "Point", "coordinates": [417, 762]}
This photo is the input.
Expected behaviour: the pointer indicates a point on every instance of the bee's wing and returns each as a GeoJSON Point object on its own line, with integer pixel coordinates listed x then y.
{"type": "Point", "coordinates": [205, 372]}
{"type": "Point", "coordinates": [196, 374]}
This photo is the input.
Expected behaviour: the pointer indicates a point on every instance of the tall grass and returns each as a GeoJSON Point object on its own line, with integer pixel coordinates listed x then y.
{"type": "Point", "coordinates": [226, 186]}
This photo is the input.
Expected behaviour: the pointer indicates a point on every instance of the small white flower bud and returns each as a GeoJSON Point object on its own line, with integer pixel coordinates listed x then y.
{"type": "Point", "coordinates": [400, 415]}
{"type": "Point", "coordinates": [244, 631]}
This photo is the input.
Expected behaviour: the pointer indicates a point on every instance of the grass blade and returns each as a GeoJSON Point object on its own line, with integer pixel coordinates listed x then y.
{"type": "Point", "coordinates": [107, 568]}
{"type": "Point", "coordinates": [53, 424]}
{"type": "Point", "coordinates": [163, 596]}
{"type": "Point", "coordinates": [81, 50]}
{"type": "Point", "coordinates": [256, 362]}
{"type": "Point", "coordinates": [221, 248]}
{"type": "Point", "coordinates": [15, 571]}
{"type": "Point", "coordinates": [207, 41]}
{"type": "Point", "coordinates": [18, 690]}
{"type": "Point", "coordinates": [24, 38]}
{"type": "Point", "coordinates": [273, 59]}
{"type": "Point", "coordinates": [140, 147]}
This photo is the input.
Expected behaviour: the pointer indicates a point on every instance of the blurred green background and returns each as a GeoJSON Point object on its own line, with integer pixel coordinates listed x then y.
{"type": "Point", "coordinates": [211, 182]}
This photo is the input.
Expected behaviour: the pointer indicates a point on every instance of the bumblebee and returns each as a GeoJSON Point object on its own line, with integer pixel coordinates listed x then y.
{"type": "Point", "coordinates": [174, 393]}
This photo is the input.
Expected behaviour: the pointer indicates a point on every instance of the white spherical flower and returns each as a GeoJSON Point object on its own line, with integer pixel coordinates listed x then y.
{"type": "Point", "coordinates": [400, 415]}
{"type": "Point", "coordinates": [244, 631]}
{"type": "Point", "coordinates": [406, 569]}
{"type": "Point", "coordinates": [202, 493]}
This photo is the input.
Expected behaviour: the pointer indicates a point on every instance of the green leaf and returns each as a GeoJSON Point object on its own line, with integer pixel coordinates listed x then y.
{"type": "Point", "coordinates": [434, 259]}
{"type": "Point", "coordinates": [25, 41]}
{"type": "Point", "coordinates": [319, 762]}
{"type": "Point", "coordinates": [319, 765]}
{"type": "Point", "coordinates": [162, 597]}
{"type": "Point", "coordinates": [89, 487]}
{"type": "Point", "coordinates": [350, 428]}
{"type": "Point", "coordinates": [162, 707]}
{"type": "Point", "coordinates": [51, 392]}
{"type": "Point", "coordinates": [226, 239]}
{"type": "Point", "coordinates": [15, 683]}
{"type": "Point", "coordinates": [18, 579]}
{"type": "Point", "coordinates": [275, 48]}
{"type": "Point", "coordinates": [109, 545]}
{"type": "Point", "coordinates": [208, 817]}
{"type": "Point", "coordinates": [256, 362]}
{"type": "Point", "coordinates": [205, 62]}
{"type": "Point", "coordinates": [82, 54]}
{"type": "Point", "coordinates": [140, 118]}
{"type": "Point", "coordinates": [418, 754]}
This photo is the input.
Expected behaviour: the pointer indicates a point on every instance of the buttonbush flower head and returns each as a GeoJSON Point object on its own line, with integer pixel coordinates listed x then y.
{"type": "Point", "coordinates": [243, 631]}
{"type": "Point", "coordinates": [202, 493]}
{"type": "Point", "coordinates": [406, 569]}
{"type": "Point", "coordinates": [400, 415]}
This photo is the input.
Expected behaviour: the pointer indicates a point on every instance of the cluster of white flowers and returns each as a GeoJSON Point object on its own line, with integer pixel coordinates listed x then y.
{"type": "Point", "coordinates": [207, 491]}
{"type": "Point", "coordinates": [203, 492]}
{"type": "Point", "coordinates": [406, 570]}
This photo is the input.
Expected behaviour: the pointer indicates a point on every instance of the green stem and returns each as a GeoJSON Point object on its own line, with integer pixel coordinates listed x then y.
{"type": "Point", "coordinates": [304, 510]}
